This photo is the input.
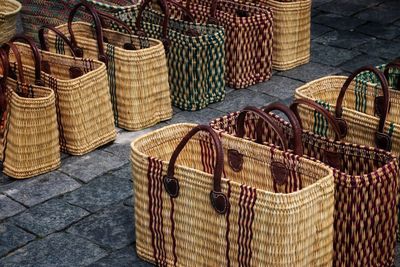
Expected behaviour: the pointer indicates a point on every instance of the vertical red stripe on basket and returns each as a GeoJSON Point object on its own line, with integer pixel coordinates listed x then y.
{"type": "Point", "coordinates": [155, 210]}
{"type": "Point", "coordinates": [228, 226]}
{"type": "Point", "coordinates": [247, 201]}
{"type": "Point", "coordinates": [53, 85]}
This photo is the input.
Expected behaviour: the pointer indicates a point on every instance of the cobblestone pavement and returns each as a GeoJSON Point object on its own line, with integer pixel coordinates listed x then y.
{"type": "Point", "coordinates": [82, 214]}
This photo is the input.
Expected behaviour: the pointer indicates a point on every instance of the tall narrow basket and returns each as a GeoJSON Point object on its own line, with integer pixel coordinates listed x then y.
{"type": "Point", "coordinates": [8, 19]}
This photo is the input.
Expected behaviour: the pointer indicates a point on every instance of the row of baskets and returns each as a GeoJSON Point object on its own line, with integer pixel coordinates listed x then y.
{"type": "Point", "coordinates": [316, 188]}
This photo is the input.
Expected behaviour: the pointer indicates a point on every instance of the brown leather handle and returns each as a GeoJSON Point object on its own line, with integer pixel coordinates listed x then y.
{"type": "Point", "coordinates": [240, 131]}
{"type": "Point", "coordinates": [324, 112]}
{"type": "Point", "coordinates": [36, 56]}
{"type": "Point", "coordinates": [11, 46]}
{"type": "Point", "coordinates": [98, 28]}
{"type": "Point", "coordinates": [297, 132]}
{"type": "Point", "coordinates": [393, 65]}
{"type": "Point", "coordinates": [42, 39]}
{"type": "Point", "coordinates": [382, 140]}
{"type": "Point", "coordinates": [218, 199]}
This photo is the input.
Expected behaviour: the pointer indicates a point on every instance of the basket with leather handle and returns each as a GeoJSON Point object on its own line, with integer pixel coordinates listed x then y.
{"type": "Point", "coordinates": [28, 131]}
{"type": "Point", "coordinates": [195, 52]}
{"type": "Point", "coordinates": [392, 74]}
{"type": "Point", "coordinates": [248, 38]}
{"type": "Point", "coordinates": [137, 68]}
{"type": "Point", "coordinates": [196, 207]}
{"type": "Point", "coordinates": [366, 183]}
{"type": "Point", "coordinates": [83, 102]}
{"type": "Point", "coordinates": [8, 19]}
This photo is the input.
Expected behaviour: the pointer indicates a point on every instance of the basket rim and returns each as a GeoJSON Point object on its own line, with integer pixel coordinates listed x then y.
{"type": "Point", "coordinates": [18, 9]}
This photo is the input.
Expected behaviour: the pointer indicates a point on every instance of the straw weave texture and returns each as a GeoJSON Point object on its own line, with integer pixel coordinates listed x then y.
{"type": "Point", "coordinates": [393, 77]}
{"type": "Point", "coordinates": [261, 227]}
{"type": "Point", "coordinates": [8, 19]}
{"type": "Point", "coordinates": [83, 104]}
{"type": "Point", "coordinates": [248, 39]}
{"type": "Point", "coordinates": [30, 146]}
{"type": "Point", "coordinates": [138, 79]}
{"type": "Point", "coordinates": [195, 64]}
{"type": "Point", "coordinates": [366, 189]}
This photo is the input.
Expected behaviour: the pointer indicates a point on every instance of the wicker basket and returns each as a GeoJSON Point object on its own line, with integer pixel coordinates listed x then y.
{"type": "Point", "coordinates": [138, 79]}
{"type": "Point", "coordinates": [29, 137]}
{"type": "Point", "coordinates": [243, 221]}
{"type": "Point", "coordinates": [364, 177]}
{"type": "Point", "coordinates": [82, 98]}
{"type": "Point", "coordinates": [8, 19]}
{"type": "Point", "coordinates": [248, 38]}
{"type": "Point", "coordinates": [392, 74]}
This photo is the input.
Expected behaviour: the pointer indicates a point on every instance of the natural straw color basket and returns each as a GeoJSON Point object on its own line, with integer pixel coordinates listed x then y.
{"type": "Point", "coordinates": [364, 177]}
{"type": "Point", "coordinates": [243, 221]}
{"type": "Point", "coordinates": [248, 38]}
{"type": "Point", "coordinates": [29, 144]}
{"type": "Point", "coordinates": [138, 79]}
{"type": "Point", "coordinates": [292, 21]}
{"type": "Point", "coordinates": [82, 98]}
{"type": "Point", "coordinates": [8, 19]}
{"type": "Point", "coordinates": [391, 71]}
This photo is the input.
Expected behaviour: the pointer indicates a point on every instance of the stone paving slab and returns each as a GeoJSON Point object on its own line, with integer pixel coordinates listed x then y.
{"type": "Point", "coordinates": [12, 237]}
{"type": "Point", "coordinates": [9, 207]}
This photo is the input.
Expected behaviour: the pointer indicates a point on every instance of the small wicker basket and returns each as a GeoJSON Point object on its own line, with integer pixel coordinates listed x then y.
{"type": "Point", "coordinates": [8, 19]}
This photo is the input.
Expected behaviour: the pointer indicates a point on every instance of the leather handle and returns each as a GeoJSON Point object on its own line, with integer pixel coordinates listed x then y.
{"type": "Point", "coordinates": [263, 116]}
{"type": "Point", "coordinates": [105, 15]}
{"type": "Point", "coordinates": [36, 56]}
{"type": "Point", "coordinates": [42, 39]}
{"type": "Point", "coordinates": [324, 112]}
{"type": "Point", "coordinates": [11, 46]}
{"type": "Point", "coordinates": [296, 126]}
{"type": "Point", "coordinates": [3, 79]}
{"type": "Point", "coordinates": [98, 28]}
{"type": "Point", "coordinates": [218, 199]}
{"type": "Point", "coordinates": [382, 140]}
{"type": "Point", "coordinates": [393, 65]}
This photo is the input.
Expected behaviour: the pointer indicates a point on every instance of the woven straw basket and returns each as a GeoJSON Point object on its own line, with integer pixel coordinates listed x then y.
{"type": "Point", "coordinates": [392, 74]}
{"type": "Point", "coordinates": [138, 79]}
{"type": "Point", "coordinates": [248, 38]}
{"type": "Point", "coordinates": [242, 221]}
{"type": "Point", "coordinates": [8, 19]}
{"type": "Point", "coordinates": [364, 177]}
{"type": "Point", "coordinates": [29, 139]}
{"type": "Point", "coordinates": [83, 101]}
{"type": "Point", "coordinates": [36, 13]}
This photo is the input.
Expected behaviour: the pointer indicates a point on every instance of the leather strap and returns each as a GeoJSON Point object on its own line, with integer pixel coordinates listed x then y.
{"type": "Point", "coordinates": [42, 38]}
{"type": "Point", "coordinates": [393, 65]}
{"type": "Point", "coordinates": [97, 25]}
{"type": "Point", "coordinates": [218, 199]}
{"type": "Point", "coordinates": [327, 115]}
{"type": "Point", "coordinates": [382, 140]}
{"type": "Point", "coordinates": [14, 48]}
{"type": "Point", "coordinates": [297, 132]}
{"type": "Point", "coordinates": [263, 116]}
{"type": "Point", "coordinates": [36, 56]}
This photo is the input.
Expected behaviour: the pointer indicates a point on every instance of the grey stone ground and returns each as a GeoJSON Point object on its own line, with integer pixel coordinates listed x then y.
{"type": "Point", "coordinates": [82, 214]}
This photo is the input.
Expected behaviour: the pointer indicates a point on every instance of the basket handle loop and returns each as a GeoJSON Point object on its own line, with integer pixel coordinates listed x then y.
{"type": "Point", "coordinates": [240, 121]}
{"type": "Point", "coordinates": [36, 56]}
{"type": "Point", "coordinates": [17, 54]}
{"type": "Point", "coordinates": [319, 108]}
{"type": "Point", "coordinates": [296, 126]}
{"type": "Point", "coordinates": [218, 199]}
{"type": "Point", "coordinates": [382, 140]}
{"type": "Point", "coordinates": [3, 82]}
{"type": "Point", "coordinates": [97, 25]}
{"type": "Point", "coordinates": [393, 65]}
{"type": "Point", "coordinates": [42, 39]}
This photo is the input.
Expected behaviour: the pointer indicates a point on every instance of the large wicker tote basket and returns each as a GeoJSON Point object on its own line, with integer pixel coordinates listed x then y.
{"type": "Point", "coordinates": [364, 178]}
{"type": "Point", "coordinates": [248, 38]}
{"type": "Point", "coordinates": [137, 69]}
{"type": "Point", "coordinates": [8, 19]}
{"type": "Point", "coordinates": [195, 52]}
{"type": "Point", "coordinates": [391, 71]}
{"type": "Point", "coordinates": [29, 132]}
{"type": "Point", "coordinates": [36, 13]}
{"type": "Point", "coordinates": [190, 211]}
{"type": "Point", "coordinates": [83, 100]}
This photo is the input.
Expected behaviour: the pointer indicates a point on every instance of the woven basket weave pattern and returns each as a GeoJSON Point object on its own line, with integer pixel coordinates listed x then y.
{"type": "Point", "coordinates": [259, 228]}
{"type": "Point", "coordinates": [83, 104]}
{"type": "Point", "coordinates": [8, 19]}
{"type": "Point", "coordinates": [30, 144]}
{"type": "Point", "coordinates": [138, 79]}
